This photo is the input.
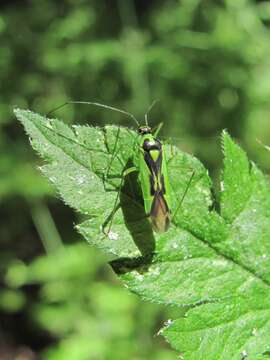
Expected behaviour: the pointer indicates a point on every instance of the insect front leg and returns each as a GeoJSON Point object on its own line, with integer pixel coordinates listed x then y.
{"type": "Point", "coordinates": [172, 150]}
{"type": "Point", "coordinates": [114, 155]}
{"type": "Point", "coordinates": [157, 129]}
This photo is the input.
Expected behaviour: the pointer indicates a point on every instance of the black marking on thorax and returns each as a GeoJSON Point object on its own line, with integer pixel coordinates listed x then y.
{"type": "Point", "coordinates": [153, 165]}
{"type": "Point", "coordinates": [151, 145]}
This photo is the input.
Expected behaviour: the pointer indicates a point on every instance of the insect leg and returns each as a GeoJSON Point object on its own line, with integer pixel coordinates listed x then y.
{"type": "Point", "coordinates": [171, 149]}
{"type": "Point", "coordinates": [116, 205]}
{"type": "Point", "coordinates": [148, 111]}
{"type": "Point", "coordinates": [184, 194]}
{"type": "Point", "coordinates": [171, 152]}
{"type": "Point", "coordinates": [157, 129]}
{"type": "Point", "coordinates": [114, 153]}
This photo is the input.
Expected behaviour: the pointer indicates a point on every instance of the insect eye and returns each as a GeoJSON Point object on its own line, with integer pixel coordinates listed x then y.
{"type": "Point", "coordinates": [144, 130]}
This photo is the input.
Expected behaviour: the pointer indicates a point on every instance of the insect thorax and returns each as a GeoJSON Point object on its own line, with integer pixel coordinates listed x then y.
{"type": "Point", "coordinates": [152, 149]}
{"type": "Point", "coordinates": [150, 144]}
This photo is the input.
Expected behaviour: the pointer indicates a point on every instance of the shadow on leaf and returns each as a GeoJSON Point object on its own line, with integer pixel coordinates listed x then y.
{"type": "Point", "coordinates": [137, 223]}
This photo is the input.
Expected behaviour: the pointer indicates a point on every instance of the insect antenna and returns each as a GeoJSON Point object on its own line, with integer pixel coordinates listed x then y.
{"type": "Point", "coordinates": [98, 105]}
{"type": "Point", "coordinates": [148, 111]}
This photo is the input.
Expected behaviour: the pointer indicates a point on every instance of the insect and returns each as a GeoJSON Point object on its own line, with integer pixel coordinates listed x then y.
{"type": "Point", "coordinates": [150, 163]}
{"type": "Point", "coordinates": [154, 180]}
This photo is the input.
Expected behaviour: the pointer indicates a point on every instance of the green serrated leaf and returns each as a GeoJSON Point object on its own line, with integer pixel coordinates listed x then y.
{"type": "Point", "coordinates": [236, 185]}
{"type": "Point", "coordinates": [232, 329]}
{"type": "Point", "coordinates": [215, 264]}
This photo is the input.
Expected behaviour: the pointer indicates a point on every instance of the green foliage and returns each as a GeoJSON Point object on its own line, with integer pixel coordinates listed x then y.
{"type": "Point", "coordinates": [76, 307]}
{"type": "Point", "coordinates": [215, 265]}
{"type": "Point", "coordinates": [208, 64]}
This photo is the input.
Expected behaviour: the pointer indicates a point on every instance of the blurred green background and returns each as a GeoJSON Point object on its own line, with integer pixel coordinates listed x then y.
{"type": "Point", "coordinates": [208, 62]}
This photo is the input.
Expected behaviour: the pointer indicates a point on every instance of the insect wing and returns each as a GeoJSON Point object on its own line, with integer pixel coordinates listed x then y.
{"type": "Point", "coordinates": [160, 214]}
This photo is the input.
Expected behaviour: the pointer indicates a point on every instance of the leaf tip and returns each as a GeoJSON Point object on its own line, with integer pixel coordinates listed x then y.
{"type": "Point", "coordinates": [224, 139]}
{"type": "Point", "coordinates": [20, 113]}
{"type": "Point", "coordinates": [16, 112]}
{"type": "Point", "coordinates": [225, 136]}
{"type": "Point", "coordinates": [228, 144]}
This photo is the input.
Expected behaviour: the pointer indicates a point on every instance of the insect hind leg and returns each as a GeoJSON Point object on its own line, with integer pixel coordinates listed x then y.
{"type": "Point", "coordinates": [184, 195]}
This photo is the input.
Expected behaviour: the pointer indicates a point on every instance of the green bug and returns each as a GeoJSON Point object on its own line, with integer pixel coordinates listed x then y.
{"type": "Point", "coordinates": [154, 180]}
{"type": "Point", "coordinates": [150, 163]}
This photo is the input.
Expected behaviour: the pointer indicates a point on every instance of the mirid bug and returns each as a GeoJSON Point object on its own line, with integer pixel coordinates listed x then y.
{"type": "Point", "coordinates": [154, 180]}
{"type": "Point", "coordinates": [150, 163]}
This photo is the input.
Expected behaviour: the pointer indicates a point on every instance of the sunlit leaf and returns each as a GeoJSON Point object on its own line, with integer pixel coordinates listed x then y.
{"type": "Point", "coordinates": [216, 264]}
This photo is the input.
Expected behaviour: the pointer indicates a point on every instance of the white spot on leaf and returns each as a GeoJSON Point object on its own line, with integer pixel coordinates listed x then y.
{"type": "Point", "coordinates": [52, 179]}
{"type": "Point", "coordinates": [112, 235]}
{"type": "Point", "coordinates": [139, 277]}
{"type": "Point", "coordinates": [222, 186]}
{"type": "Point", "coordinates": [49, 125]}
{"type": "Point", "coordinates": [80, 179]}
{"type": "Point", "coordinates": [254, 331]}
{"type": "Point", "coordinates": [168, 322]}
